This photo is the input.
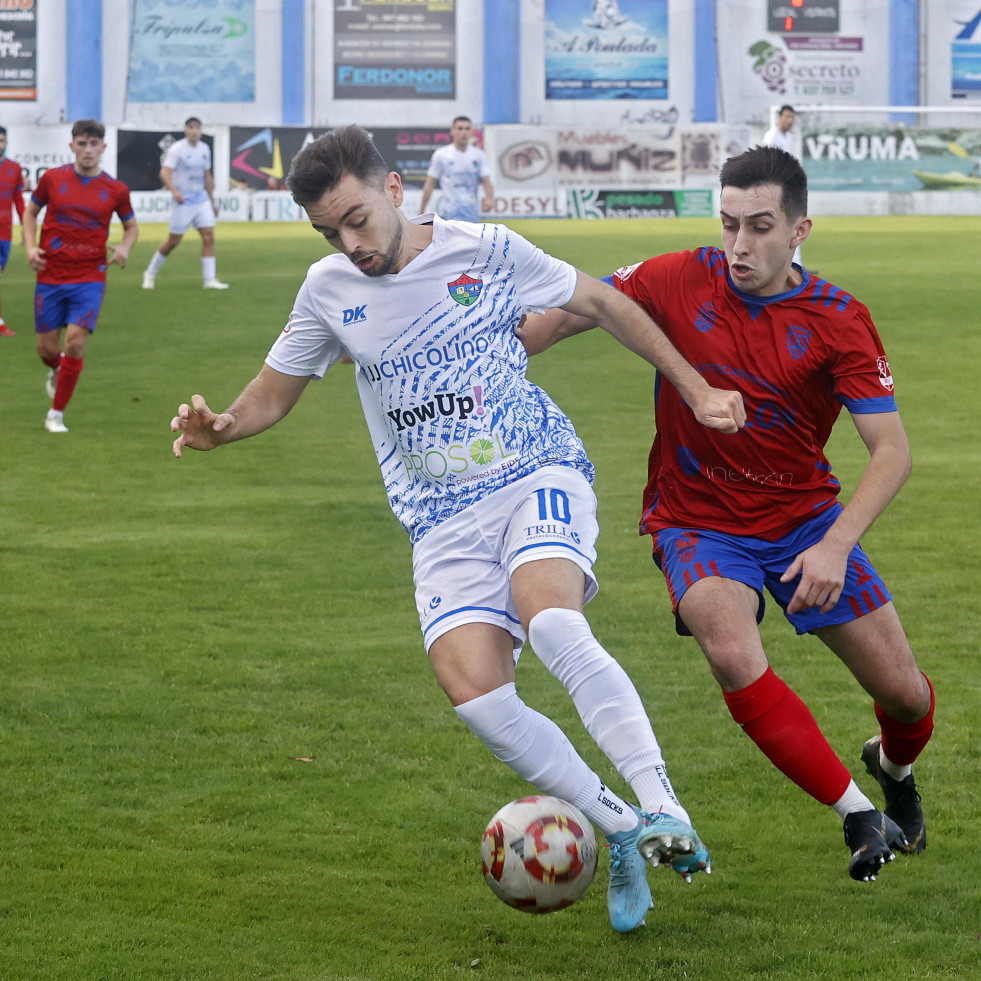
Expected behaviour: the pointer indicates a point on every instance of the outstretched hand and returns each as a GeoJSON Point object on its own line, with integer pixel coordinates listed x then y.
{"type": "Point", "coordinates": [199, 427]}
{"type": "Point", "coordinates": [720, 408]}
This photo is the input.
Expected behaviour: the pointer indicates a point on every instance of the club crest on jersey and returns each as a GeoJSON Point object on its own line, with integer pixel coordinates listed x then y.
{"type": "Point", "coordinates": [465, 290]}
{"type": "Point", "coordinates": [797, 340]}
{"type": "Point", "coordinates": [705, 317]}
{"type": "Point", "coordinates": [885, 374]}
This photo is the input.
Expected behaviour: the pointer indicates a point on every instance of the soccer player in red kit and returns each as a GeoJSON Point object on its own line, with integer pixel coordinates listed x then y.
{"type": "Point", "coordinates": [730, 514]}
{"type": "Point", "coordinates": [11, 195]}
{"type": "Point", "coordinates": [71, 261]}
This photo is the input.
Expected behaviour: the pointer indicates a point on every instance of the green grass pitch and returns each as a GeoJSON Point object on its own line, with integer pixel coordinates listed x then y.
{"type": "Point", "coordinates": [223, 754]}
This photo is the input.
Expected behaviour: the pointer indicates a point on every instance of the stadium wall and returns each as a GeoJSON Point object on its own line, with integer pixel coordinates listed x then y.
{"type": "Point", "coordinates": [554, 127]}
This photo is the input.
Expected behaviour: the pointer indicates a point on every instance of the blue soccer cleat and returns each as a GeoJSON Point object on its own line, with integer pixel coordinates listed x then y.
{"type": "Point", "coordinates": [667, 840]}
{"type": "Point", "coordinates": [629, 895]}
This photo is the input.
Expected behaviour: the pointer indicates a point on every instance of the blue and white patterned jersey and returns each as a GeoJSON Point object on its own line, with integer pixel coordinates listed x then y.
{"type": "Point", "coordinates": [188, 165]}
{"type": "Point", "coordinates": [441, 374]}
{"type": "Point", "coordinates": [459, 173]}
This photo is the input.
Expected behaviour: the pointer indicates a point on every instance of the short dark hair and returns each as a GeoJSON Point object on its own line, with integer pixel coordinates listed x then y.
{"type": "Point", "coordinates": [3, 130]}
{"type": "Point", "coordinates": [192, 119]}
{"type": "Point", "coordinates": [769, 165]}
{"type": "Point", "coordinates": [319, 166]}
{"type": "Point", "coordinates": [784, 109]}
{"type": "Point", "coordinates": [465, 119]}
{"type": "Point", "coordinates": [89, 127]}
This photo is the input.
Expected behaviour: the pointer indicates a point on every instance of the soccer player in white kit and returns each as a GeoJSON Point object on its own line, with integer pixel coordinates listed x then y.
{"type": "Point", "coordinates": [461, 170]}
{"type": "Point", "coordinates": [186, 173]}
{"type": "Point", "coordinates": [485, 473]}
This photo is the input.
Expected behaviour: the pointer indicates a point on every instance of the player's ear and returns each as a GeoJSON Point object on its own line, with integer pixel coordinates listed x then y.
{"type": "Point", "coordinates": [393, 187]}
{"type": "Point", "coordinates": [802, 230]}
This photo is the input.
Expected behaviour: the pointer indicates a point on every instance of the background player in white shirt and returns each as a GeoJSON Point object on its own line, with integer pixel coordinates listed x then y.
{"type": "Point", "coordinates": [186, 173]}
{"type": "Point", "coordinates": [460, 169]}
{"type": "Point", "coordinates": [484, 471]}
{"type": "Point", "coordinates": [780, 134]}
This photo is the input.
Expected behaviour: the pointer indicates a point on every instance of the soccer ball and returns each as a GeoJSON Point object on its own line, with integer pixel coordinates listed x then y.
{"type": "Point", "coordinates": [538, 854]}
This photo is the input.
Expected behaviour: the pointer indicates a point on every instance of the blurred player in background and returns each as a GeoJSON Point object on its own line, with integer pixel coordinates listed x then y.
{"type": "Point", "coordinates": [485, 473]}
{"type": "Point", "coordinates": [11, 196]}
{"type": "Point", "coordinates": [461, 170]}
{"type": "Point", "coordinates": [730, 515]}
{"type": "Point", "coordinates": [79, 201]}
{"type": "Point", "coordinates": [186, 173]}
{"type": "Point", "coordinates": [781, 135]}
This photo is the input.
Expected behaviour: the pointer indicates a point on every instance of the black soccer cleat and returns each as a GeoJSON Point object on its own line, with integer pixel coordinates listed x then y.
{"type": "Point", "coordinates": [902, 800]}
{"type": "Point", "coordinates": [871, 836]}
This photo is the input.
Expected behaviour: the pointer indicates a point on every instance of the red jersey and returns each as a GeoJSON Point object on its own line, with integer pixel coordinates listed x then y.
{"type": "Point", "coordinates": [76, 223]}
{"type": "Point", "coordinates": [11, 193]}
{"type": "Point", "coordinates": [797, 357]}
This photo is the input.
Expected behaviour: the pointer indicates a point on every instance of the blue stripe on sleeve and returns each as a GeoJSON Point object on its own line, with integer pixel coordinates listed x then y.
{"type": "Point", "coordinates": [887, 403]}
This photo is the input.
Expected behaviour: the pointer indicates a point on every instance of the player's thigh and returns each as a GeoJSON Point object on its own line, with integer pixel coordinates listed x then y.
{"type": "Point", "coordinates": [876, 650]}
{"type": "Point", "coordinates": [471, 660]}
{"type": "Point", "coordinates": [547, 584]}
{"type": "Point", "coordinates": [721, 615]}
{"type": "Point", "coordinates": [459, 578]}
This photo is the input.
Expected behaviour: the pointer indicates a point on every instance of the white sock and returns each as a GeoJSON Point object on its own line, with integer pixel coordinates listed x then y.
{"type": "Point", "coordinates": [891, 769]}
{"type": "Point", "coordinates": [608, 705]}
{"type": "Point", "coordinates": [537, 750]}
{"type": "Point", "coordinates": [209, 268]}
{"type": "Point", "coordinates": [156, 263]}
{"type": "Point", "coordinates": [852, 800]}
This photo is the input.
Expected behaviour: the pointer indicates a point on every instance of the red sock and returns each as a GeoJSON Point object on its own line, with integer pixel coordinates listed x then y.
{"type": "Point", "coordinates": [784, 729]}
{"type": "Point", "coordinates": [902, 742]}
{"type": "Point", "coordinates": [52, 360]}
{"type": "Point", "coordinates": [68, 374]}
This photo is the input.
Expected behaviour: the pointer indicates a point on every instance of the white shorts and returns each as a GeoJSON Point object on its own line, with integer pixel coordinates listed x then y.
{"type": "Point", "coordinates": [462, 568]}
{"type": "Point", "coordinates": [200, 214]}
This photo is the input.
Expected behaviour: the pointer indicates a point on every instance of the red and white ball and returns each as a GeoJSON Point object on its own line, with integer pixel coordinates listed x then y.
{"type": "Point", "coordinates": [538, 854]}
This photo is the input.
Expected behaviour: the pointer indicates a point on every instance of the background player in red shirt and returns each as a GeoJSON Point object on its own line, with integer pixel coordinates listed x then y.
{"type": "Point", "coordinates": [11, 193]}
{"type": "Point", "coordinates": [71, 261]}
{"type": "Point", "coordinates": [730, 514]}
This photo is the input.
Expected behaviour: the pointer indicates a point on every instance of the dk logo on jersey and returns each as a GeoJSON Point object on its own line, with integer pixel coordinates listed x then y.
{"type": "Point", "coordinates": [465, 290]}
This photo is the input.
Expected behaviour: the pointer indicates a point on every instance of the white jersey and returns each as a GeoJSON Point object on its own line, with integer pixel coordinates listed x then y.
{"type": "Point", "coordinates": [188, 165]}
{"type": "Point", "coordinates": [775, 136]}
{"type": "Point", "coordinates": [459, 173]}
{"type": "Point", "coordinates": [441, 374]}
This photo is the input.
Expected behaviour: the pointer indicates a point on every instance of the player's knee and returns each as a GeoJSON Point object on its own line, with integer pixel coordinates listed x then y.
{"type": "Point", "coordinates": [556, 633]}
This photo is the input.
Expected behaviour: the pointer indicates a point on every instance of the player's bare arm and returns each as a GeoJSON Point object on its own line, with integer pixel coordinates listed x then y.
{"type": "Point", "coordinates": [619, 316]}
{"type": "Point", "coordinates": [262, 403]}
{"type": "Point", "coordinates": [822, 567]}
{"type": "Point", "coordinates": [119, 254]}
{"type": "Point", "coordinates": [167, 180]}
{"type": "Point", "coordinates": [34, 254]}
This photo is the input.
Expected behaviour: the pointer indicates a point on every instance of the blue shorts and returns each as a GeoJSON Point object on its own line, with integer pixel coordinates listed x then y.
{"type": "Point", "coordinates": [4, 253]}
{"type": "Point", "coordinates": [686, 555]}
{"type": "Point", "coordinates": [56, 305]}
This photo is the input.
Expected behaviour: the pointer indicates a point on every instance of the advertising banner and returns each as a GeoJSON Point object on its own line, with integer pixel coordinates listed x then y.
{"type": "Point", "coordinates": [606, 203]}
{"type": "Point", "coordinates": [408, 149]}
{"type": "Point", "coordinates": [194, 51]}
{"type": "Point", "coordinates": [394, 49]}
{"type": "Point", "coordinates": [261, 157]}
{"type": "Point", "coordinates": [892, 159]}
{"type": "Point", "coordinates": [764, 68]}
{"type": "Point", "coordinates": [140, 155]}
{"type": "Point", "coordinates": [604, 49]}
{"type": "Point", "coordinates": [18, 50]}
{"type": "Point", "coordinates": [39, 148]}
{"type": "Point", "coordinates": [965, 51]}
